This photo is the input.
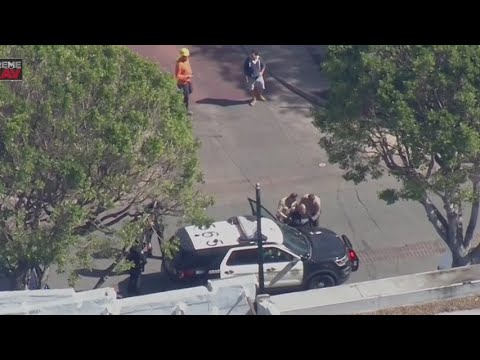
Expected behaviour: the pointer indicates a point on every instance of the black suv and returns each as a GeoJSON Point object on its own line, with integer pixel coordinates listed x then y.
{"type": "Point", "coordinates": [305, 257]}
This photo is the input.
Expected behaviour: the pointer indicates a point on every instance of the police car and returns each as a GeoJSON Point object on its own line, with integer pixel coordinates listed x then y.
{"type": "Point", "coordinates": [296, 258]}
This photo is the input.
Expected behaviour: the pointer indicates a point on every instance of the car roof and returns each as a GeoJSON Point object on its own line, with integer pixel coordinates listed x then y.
{"type": "Point", "coordinates": [236, 231]}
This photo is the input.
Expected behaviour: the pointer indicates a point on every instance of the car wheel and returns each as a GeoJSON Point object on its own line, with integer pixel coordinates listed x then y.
{"type": "Point", "coordinates": [320, 282]}
{"type": "Point", "coordinates": [167, 273]}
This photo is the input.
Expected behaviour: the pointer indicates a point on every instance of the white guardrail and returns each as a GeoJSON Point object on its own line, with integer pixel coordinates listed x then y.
{"type": "Point", "coordinates": [376, 295]}
{"type": "Point", "coordinates": [234, 297]}
{"type": "Point", "coordinates": [221, 297]}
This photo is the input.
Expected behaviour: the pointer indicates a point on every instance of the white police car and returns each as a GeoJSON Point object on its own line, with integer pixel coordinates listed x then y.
{"type": "Point", "coordinates": [293, 258]}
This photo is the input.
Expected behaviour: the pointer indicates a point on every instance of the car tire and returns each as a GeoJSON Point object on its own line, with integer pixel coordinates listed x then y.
{"type": "Point", "coordinates": [320, 281]}
{"type": "Point", "coordinates": [167, 273]}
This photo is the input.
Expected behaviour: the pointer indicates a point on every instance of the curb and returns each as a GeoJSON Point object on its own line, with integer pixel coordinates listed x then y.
{"type": "Point", "coordinates": [314, 100]}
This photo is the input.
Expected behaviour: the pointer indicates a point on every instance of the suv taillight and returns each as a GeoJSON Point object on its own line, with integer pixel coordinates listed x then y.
{"type": "Point", "coordinates": [352, 255]}
{"type": "Point", "coordinates": [186, 274]}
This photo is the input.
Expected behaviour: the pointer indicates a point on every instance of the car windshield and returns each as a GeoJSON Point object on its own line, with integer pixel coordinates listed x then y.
{"type": "Point", "coordinates": [295, 240]}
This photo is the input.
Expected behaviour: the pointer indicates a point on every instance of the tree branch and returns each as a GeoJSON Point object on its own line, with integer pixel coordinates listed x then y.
{"type": "Point", "coordinates": [472, 224]}
{"type": "Point", "coordinates": [474, 255]}
{"type": "Point", "coordinates": [452, 223]}
{"type": "Point", "coordinates": [430, 167]}
{"type": "Point", "coordinates": [460, 225]}
{"type": "Point", "coordinates": [384, 151]}
{"type": "Point", "coordinates": [118, 219]}
{"type": "Point", "coordinates": [101, 229]}
{"type": "Point", "coordinates": [118, 213]}
{"type": "Point", "coordinates": [440, 105]}
{"type": "Point", "coordinates": [436, 218]}
{"type": "Point", "coordinates": [44, 277]}
{"type": "Point", "coordinates": [399, 147]}
{"type": "Point", "coordinates": [439, 160]}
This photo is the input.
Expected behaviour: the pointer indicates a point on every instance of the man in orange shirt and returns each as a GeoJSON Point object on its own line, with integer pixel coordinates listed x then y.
{"type": "Point", "coordinates": [183, 74]}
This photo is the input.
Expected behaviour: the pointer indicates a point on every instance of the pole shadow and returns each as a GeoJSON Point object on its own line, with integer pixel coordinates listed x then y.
{"type": "Point", "coordinates": [222, 102]}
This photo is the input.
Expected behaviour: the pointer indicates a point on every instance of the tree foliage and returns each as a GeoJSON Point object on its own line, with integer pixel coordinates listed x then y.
{"type": "Point", "coordinates": [92, 137]}
{"type": "Point", "coordinates": [414, 112]}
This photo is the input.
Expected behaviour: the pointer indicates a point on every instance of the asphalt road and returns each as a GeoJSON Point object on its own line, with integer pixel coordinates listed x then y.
{"type": "Point", "coordinates": [275, 144]}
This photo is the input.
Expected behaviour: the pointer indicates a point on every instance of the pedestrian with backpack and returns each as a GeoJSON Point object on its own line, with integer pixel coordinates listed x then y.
{"type": "Point", "coordinates": [254, 68]}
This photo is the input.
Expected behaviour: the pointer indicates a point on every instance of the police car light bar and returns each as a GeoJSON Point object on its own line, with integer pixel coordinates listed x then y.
{"type": "Point", "coordinates": [248, 229]}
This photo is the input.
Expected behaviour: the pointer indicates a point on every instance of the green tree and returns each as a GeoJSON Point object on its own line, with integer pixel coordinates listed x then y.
{"type": "Point", "coordinates": [92, 138]}
{"type": "Point", "coordinates": [412, 112]}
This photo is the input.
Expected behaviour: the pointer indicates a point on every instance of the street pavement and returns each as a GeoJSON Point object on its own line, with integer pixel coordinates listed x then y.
{"type": "Point", "coordinates": [274, 143]}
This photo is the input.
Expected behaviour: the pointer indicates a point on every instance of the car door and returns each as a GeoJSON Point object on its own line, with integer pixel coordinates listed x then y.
{"type": "Point", "coordinates": [282, 268]}
{"type": "Point", "coordinates": [239, 261]}
{"type": "Point", "coordinates": [264, 212]}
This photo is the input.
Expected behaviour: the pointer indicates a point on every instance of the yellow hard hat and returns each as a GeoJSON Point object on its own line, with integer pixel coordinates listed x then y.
{"type": "Point", "coordinates": [184, 52]}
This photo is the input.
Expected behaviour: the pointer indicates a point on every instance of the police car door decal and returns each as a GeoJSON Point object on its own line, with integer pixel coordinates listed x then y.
{"type": "Point", "coordinates": [282, 269]}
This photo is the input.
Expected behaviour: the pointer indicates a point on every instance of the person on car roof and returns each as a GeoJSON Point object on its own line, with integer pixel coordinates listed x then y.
{"type": "Point", "coordinates": [314, 207]}
{"type": "Point", "coordinates": [286, 206]}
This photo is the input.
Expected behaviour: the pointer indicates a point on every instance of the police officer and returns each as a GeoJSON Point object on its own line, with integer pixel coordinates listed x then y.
{"type": "Point", "coordinates": [137, 256]}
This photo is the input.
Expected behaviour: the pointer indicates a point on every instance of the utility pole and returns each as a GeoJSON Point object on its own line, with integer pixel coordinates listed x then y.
{"type": "Point", "coordinates": [260, 242]}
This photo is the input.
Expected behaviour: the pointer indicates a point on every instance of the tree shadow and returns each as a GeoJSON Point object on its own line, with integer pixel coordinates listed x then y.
{"type": "Point", "coordinates": [92, 273]}
{"type": "Point", "coordinates": [222, 102]}
{"type": "Point", "coordinates": [223, 64]}
{"type": "Point", "coordinates": [4, 283]}
{"type": "Point", "coordinates": [317, 53]}
{"type": "Point", "coordinates": [228, 60]}
{"type": "Point", "coordinates": [108, 253]}
{"type": "Point", "coordinates": [97, 273]}
{"type": "Point", "coordinates": [221, 69]}
{"type": "Point", "coordinates": [154, 283]}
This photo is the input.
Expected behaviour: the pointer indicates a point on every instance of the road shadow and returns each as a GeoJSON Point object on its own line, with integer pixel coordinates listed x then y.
{"type": "Point", "coordinates": [222, 102]}
{"type": "Point", "coordinates": [4, 284]}
{"type": "Point", "coordinates": [317, 54]}
{"type": "Point", "coordinates": [228, 61]}
{"type": "Point", "coordinates": [221, 74]}
{"type": "Point", "coordinates": [106, 254]}
{"type": "Point", "coordinates": [97, 273]}
{"type": "Point", "coordinates": [154, 283]}
{"type": "Point", "coordinates": [91, 273]}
